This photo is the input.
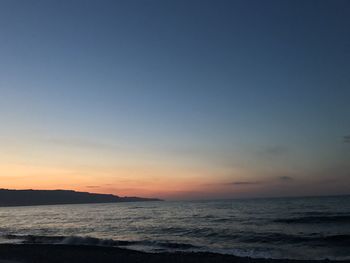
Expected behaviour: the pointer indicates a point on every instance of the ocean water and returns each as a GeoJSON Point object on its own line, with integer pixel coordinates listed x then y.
{"type": "Point", "coordinates": [294, 228]}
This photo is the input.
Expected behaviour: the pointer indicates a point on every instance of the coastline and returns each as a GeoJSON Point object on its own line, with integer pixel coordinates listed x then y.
{"type": "Point", "coordinates": [40, 253]}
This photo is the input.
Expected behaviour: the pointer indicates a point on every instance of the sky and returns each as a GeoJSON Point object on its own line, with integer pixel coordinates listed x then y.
{"type": "Point", "coordinates": [180, 99]}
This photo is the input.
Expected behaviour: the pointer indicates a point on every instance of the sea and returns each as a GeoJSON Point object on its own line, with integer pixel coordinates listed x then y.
{"type": "Point", "coordinates": [282, 228]}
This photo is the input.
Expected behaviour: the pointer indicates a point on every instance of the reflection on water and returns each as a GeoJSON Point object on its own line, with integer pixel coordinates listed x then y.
{"type": "Point", "coordinates": [300, 228]}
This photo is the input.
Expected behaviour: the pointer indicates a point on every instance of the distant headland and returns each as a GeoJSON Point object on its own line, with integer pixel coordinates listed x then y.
{"type": "Point", "coordinates": [55, 197]}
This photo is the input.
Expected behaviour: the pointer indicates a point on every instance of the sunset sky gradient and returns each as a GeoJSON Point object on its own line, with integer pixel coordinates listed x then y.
{"type": "Point", "coordinates": [176, 99]}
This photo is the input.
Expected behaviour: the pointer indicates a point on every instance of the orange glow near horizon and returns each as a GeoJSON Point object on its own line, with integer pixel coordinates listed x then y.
{"type": "Point", "coordinates": [27, 165]}
{"type": "Point", "coordinates": [144, 181]}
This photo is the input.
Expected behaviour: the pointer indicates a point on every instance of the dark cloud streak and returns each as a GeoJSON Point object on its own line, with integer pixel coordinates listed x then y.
{"type": "Point", "coordinates": [243, 183]}
{"type": "Point", "coordinates": [273, 151]}
{"type": "Point", "coordinates": [346, 139]}
{"type": "Point", "coordinates": [285, 178]}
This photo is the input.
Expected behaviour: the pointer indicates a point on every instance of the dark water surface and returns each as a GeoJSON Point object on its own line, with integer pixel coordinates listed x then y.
{"type": "Point", "coordinates": [296, 228]}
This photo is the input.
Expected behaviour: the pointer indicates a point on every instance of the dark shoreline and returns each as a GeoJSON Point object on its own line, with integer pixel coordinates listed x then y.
{"type": "Point", "coordinates": [40, 253]}
{"type": "Point", "coordinates": [13, 198]}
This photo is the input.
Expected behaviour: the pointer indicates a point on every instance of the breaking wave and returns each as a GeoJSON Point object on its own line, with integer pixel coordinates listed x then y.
{"type": "Point", "coordinates": [92, 241]}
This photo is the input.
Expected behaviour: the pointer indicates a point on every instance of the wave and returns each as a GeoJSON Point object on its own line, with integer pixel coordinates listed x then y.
{"type": "Point", "coordinates": [323, 213]}
{"type": "Point", "coordinates": [343, 240]}
{"type": "Point", "coordinates": [68, 240]}
{"type": "Point", "coordinates": [134, 245]}
{"type": "Point", "coordinates": [259, 244]}
{"type": "Point", "coordinates": [278, 238]}
{"type": "Point", "coordinates": [245, 237]}
{"type": "Point", "coordinates": [175, 245]}
{"type": "Point", "coordinates": [92, 241]}
{"type": "Point", "coordinates": [224, 220]}
{"type": "Point", "coordinates": [315, 219]}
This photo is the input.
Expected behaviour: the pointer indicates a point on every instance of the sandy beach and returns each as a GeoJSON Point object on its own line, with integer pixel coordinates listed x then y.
{"type": "Point", "coordinates": [10, 253]}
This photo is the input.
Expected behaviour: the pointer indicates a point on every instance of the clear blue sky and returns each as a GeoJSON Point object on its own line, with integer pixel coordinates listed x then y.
{"type": "Point", "coordinates": [246, 98]}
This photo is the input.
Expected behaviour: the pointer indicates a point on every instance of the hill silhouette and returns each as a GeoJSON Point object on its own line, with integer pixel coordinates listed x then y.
{"type": "Point", "coordinates": [54, 197]}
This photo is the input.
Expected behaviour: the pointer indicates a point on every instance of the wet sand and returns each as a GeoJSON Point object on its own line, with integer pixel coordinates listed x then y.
{"type": "Point", "coordinates": [10, 253]}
